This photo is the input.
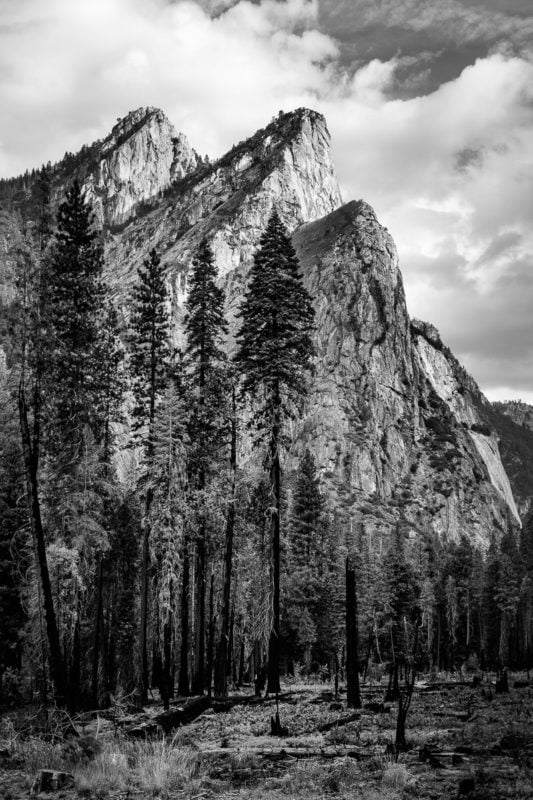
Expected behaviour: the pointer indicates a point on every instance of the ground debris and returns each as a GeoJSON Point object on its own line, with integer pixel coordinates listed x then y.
{"type": "Point", "coordinates": [48, 780]}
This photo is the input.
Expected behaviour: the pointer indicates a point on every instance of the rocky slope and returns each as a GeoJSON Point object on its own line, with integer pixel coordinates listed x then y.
{"type": "Point", "coordinates": [397, 427]}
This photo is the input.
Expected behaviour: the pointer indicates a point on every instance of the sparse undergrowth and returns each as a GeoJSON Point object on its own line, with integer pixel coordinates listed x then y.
{"type": "Point", "coordinates": [230, 754]}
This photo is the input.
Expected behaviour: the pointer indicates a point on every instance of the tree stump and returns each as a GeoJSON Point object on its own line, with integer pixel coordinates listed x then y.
{"type": "Point", "coordinates": [49, 780]}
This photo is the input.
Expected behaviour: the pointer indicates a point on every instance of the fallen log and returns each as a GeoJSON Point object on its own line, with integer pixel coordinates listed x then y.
{"type": "Point", "coordinates": [277, 754]}
{"type": "Point", "coordinates": [327, 726]}
{"type": "Point", "coordinates": [168, 721]}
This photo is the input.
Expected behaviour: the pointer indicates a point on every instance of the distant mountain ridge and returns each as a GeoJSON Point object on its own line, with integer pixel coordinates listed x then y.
{"type": "Point", "coordinates": [399, 430]}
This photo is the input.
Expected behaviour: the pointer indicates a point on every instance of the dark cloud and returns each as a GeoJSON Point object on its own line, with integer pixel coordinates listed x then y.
{"type": "Point", "coordinates": [521, 8]}
{"type": "Point", "coordinates": [468, 158]}
{"type": "Point", "coordinates": [500, 244]}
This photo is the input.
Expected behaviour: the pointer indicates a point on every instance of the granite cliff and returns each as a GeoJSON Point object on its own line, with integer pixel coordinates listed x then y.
{"type": "Point", "coordinates": [398, 428]}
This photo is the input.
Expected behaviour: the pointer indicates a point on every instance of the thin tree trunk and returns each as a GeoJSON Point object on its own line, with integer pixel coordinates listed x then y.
{"type": "Point", "coordinates": [353, 694]}
{"type": "Point", "coordinates": [221, 676]}
{"type": "Point", "coordinates": [30, 450]}
{"type": "Point", "coordinates": [183, 683]}
{"type": "Point", "coordinates": [198, 686]}
{"type": "Point", "coordinates": [275, 487]}
{"type": "Point", "coordinates": [166, 689]}
{"type": "Point", "coordinates": [368, 651]}
{"type": "Point", "coordinates": [232, 668]}
{"type": "Point", "coordinates": [211, 637]}
{"type": "Point", "coordinates": [145, 561]}
{"type": "Point", "coordinates": [75, 666]}
{"type": "Point", "coordinates": [97, 626]}
{"type": "Point", "coordinates": [240, 676]}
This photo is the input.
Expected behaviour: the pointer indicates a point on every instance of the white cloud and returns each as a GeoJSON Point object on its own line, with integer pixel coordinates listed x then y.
{"type": "Point", "coordinates": [450, 173]}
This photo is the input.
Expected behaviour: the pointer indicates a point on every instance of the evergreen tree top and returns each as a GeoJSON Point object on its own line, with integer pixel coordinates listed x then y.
{"type": "Point", "coordinates": [205, 324]}
{"type": "Point", "coordinates": [274, 342]}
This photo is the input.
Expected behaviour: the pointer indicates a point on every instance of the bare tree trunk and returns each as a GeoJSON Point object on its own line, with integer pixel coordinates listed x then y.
{"type": "Point", "coordinates": [405, 696]}
{"type": "Point", "coordinates": [275, 487]}
{"type": "Point", "coordinates": [75, 665]}
{"type": "Point", "coordinates": [368, 651]}
{"type": "Point", "coordinates": [183, 684]}
{"type": "Point", "coordinates": [198, 685]}
{"type": "Point", "coordinates": [240, 676]}
{"type": "Point", "coordinates": [145, 562]}
{"type": "Point", "coordinates": [211, 637]}
{"type": "Point", "coordinates": [30, 449]}
{"type": "Point", "coordinates": [352, 644]}
{"type": "Point", "coordinates": [97, 626]}
{"type": "Point", "coordinates": [221, 676]}
{"type": "Point", "coordinates": [167, 671]}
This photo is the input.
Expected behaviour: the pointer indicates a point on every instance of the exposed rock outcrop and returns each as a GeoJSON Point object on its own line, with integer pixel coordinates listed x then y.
{"type": "Point", "coordinates": [399, 430]}
{"type": "Point", "coordinates": [138, 160]}
{"type": "Point", "coordinates": [389, 418]}
{"type": "Point", "coordinates": [388, 425]}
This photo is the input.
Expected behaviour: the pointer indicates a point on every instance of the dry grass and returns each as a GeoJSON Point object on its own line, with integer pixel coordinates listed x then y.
{"type": "Point", "coordinates": [36, 754]}
{"type": "Point", "coordinates": [395, 777]}
{"type": "Point", "coordinates": [156, 768]}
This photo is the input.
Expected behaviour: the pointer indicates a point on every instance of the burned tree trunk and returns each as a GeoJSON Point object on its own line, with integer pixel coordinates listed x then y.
{"type": "Point", "coordinates": [30, 449]}
{"type": "Point", "coordinates": [352, 656]}
{"type": "Point", "coordinates": [221, 669]}
{"type": "Point", "coordinates": [183, 684]}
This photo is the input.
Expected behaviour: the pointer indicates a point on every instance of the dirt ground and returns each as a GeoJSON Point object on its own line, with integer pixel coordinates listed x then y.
{"type": "Point", "coordinates": [464, 741]}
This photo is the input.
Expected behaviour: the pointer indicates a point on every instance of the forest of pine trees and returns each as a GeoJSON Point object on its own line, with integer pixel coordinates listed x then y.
{"type": "Point", "coordinates": [138, 555]}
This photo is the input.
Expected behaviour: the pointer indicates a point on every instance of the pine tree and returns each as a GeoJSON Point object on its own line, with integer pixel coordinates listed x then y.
{"type": "Point", "coordinates": [150, 365]}
{"type": "Point", "coordinates": [205, 328]}
{"type": "Point", "coordinates": [167, 515]}
{"type": "Point", "coordinates": [306, 513]}
{"type": "Point", "coordinates": [274, 357]}
{"type": "Point", "coordinates": [150, 343]}
{"type": "Point", "coordinates": [73, 295]}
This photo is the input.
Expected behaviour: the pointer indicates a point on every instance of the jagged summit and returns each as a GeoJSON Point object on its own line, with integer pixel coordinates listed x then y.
{"type": "Point", "coordinates": [130, 123]}
{"type": "Point", "coordinates": [139, 159]}
{"type": "Point", "coordinates": [287, 164]}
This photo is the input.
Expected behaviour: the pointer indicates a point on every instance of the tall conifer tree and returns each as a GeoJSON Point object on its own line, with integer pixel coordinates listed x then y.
{"type": "Point", "coordinates": [205, 328]}
{"type": "Point", "coordinates": [150, 364]}
{"type": "Point", "coordinates": [73, 297]}
{"type": "Point", "coordinates": [150, 343]}
{"type": "Point", "coordinates": [274, 357]}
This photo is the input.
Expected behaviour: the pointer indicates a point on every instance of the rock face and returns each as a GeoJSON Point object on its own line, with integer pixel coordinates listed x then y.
{"type": "Point", "coordinates": [287, 164]}
{"type": "Point", "coordinates": [389, 419]}
{"type": "Point", "coordinates": [139, 159]}
{"type": "Point", "coordinates": [399, 430]}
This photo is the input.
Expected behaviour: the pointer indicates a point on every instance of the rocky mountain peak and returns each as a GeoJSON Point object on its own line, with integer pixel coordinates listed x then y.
{"type": "Point", "coordinates": [400, 431]}
{"type": "Point", "coordinates": [286, 165]}
{"type": "Point", "coordinates": [129, 124]}
{"type": "Point", "coordinates": [139, 159]}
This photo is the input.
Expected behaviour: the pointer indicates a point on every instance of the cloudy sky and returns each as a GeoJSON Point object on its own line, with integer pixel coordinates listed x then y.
{"type": "Point", "coordinates": [429, 103]}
